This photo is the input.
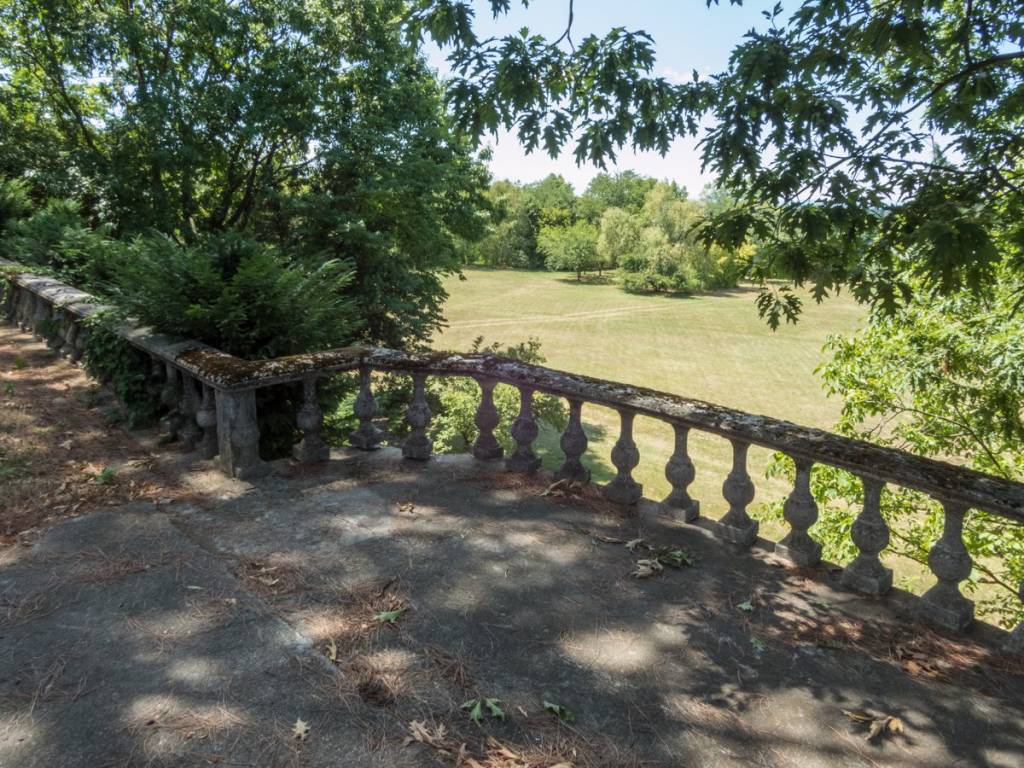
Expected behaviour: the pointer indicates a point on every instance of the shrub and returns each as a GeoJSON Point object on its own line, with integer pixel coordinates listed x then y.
{"type": "Point", "coordinates": [14, 202]}
{"type": "Point", "coordinates": [240, 296]}
{"type": "Point", "coordinates": [120, 366]}
{"type": "Point", "coordinates": [57, 238]}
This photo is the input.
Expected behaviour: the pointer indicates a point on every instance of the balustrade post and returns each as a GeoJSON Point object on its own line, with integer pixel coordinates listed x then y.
{"type": "Point", "coordinates": [680, 473]}
{"type": "Point", "coordinates": [238, 434]}
{"type": "Point", "coordinates": [170, 398]}
{"type": "Point", "coordinates": [189, 429]}
{"type": "Point", "coordinates": [870, 533]}
{"type": "Point", "coordinates": [366, 436]}
{"type": "Point", "coordinates": [310, 419]}
{"type": "Point", "coordinates": [1015, 642]}
{"type": "Point", "coordinates": [574, 445]}
{"type": "Point", "coordinates": [206, 418]}
{"type": "Point", "coordinates": [623, 489]}
{"type": "Point", "coordinates": [524, 431]}
{"type": "Point", "coordinates": [486, 445]}
{"type": "Point", "coordinates": [417, 444]}
{"type": "Point", "coordinates": [949, 560]}
{"type": "Point", "coordinates": [736, 526]}
{"type": "Point", "coordinates": [801, 512]}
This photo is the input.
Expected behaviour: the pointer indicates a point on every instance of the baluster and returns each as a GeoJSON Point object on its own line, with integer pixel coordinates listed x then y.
{"type": "Point", "coordinates": [81, 342]}
{"type": "Point", "coordinates": [623, 489]}
{"type": "Point", "coordinates": [57, 327]}
{"type": "Point", "coordinates": [155, 380]}
{"type": "Point", "coordinates": [871, 535]}
{"type": "Point", "coordinates": [170, 398]}
{"type": "Point", "coordinates": [949, 560]}
{"type": "Point", "coordinates": [366, 436]}
{"type": "Point", "coordinates": [9, 302]}
{"type": "Point", "coordinates": [41, 318]}
{"type": "Point", "coordinates": [310, 420]}
{"type": "Point", "coordinates": [486, 446]}
{"type": "Point", "coordinates": [574, 445]}
{"type": "Point", "coordinates": [1015, 642]}
{"type": "Point", "coordinates": [26, 308]}
{"type": "Point", "coordinates": [206, 418]}
{"type": "Point", "coordinates": [189, 430]}
{"type": "Point", "coordinates": [680, 472]}
{"type": "Point", "coordinates": [736, 526]}
{"type": "Point", "coordinates": [418, 444]}
{"type": "Point", "coordinates": [238, 434]}
{"type": "Point", "coordinates": [801, 512]}
{"type": "Point", "coordinates": [524, 431]}
{"type": "Point", "coordinates": [70, 336]}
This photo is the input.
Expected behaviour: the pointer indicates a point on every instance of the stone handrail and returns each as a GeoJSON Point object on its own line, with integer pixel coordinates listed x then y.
{"type": "Point", "coordinates": [211, 398]}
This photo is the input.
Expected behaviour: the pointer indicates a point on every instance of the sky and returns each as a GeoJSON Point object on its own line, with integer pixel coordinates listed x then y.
{"type": "Point", "coordinates": [687, 36]}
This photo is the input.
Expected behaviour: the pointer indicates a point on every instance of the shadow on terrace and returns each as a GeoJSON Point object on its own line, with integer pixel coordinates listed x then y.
{"type": "Point", "coordinates": [197, 632]}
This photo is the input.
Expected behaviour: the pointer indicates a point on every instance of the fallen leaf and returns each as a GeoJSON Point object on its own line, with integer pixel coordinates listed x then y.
{"type": "Point", "coordinates": [332, 649]}
{"type": "Point", "coordinates": [746, 605]}
{"type": "Point", "coordinates": [674, 557]}
{"type": "Point", "coordinates": [646, 568]}
{"type": "Point", "coordinates": [300, 730]}
{"type": "Point", "coordinates": [389, 617]}
{"type": "Point", "coordinates": [562, 713]}
{"type": "Point", "coordinates": [633, 544]}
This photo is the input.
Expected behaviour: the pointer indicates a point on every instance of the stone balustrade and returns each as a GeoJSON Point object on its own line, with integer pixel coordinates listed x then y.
{"type": "Point", "coordinates": [210, 397]}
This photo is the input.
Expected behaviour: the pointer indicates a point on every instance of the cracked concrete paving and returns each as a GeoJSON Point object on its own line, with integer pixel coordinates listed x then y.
{"type": "Point", "coordinates": [197, 632]}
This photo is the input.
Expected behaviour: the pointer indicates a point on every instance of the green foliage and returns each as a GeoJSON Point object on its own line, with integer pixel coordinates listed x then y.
{"type": "Point", "coordinates": [14, 202]}
{"type": "Point", "coordinates": [512, 240]}
{"type": "Point", "coordinates": [475, 707]}
{"type": "Point", "coordinates": [238, 295]}
{"type": "Point", "coordinates": [312, 126]}
{"type": "Point", "coordinates": [626, 190]}
{"type": "Point", "coordinates": [454, 402]}
{"type": "Point", "coordinates": [572, 247]}
{"type": "Point", "coordinates": [659, 251]}
{"type": "Point", "coordinates": [120, 366]}
{"type": "Point", "coordinates": [941, 377]}
{"type": "Point", "coordinates": [866, 144]}
{"type": "Point", "coordinates": [57, 238]}
{"type": "Point", "coordinates": [619, 236]}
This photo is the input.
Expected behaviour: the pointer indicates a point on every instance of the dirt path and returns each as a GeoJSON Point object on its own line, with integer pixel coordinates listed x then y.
{"type": "Point", "coordinates": [62, 453]}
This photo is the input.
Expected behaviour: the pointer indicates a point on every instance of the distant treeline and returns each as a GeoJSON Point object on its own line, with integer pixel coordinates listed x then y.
{"type": "Point", "coordinates": [640, 226]}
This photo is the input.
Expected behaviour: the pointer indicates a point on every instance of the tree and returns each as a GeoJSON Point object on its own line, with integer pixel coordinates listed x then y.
{"type": "Point", "coordinates": [555, 198]}
{"type": "Point", "coordinates": [511, 242]}
{"type": "Point", "coordinates": [573, 247]}
{"type": "Point", "coordinates": [873, 145]}
{"type": "Point", "coordinates": [938, 378]}
{"type": "Point", "coordinates": [619, 236]}
{"type": "Point", "coordinates": [624, 190]}
{"type": "Point", "coordinates": [309, 125]}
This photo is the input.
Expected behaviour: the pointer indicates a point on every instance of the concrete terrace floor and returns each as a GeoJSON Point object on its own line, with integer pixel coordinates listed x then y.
{"type": "Point", "coordinates": [196, 629]}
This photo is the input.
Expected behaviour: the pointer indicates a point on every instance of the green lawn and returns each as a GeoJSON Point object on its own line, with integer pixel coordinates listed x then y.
{"type": "Point", "coordinates": [713, 347]}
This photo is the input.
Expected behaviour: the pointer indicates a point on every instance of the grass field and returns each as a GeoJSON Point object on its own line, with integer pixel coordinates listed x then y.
{"type": "Point", "coordinates": [712, 347]}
